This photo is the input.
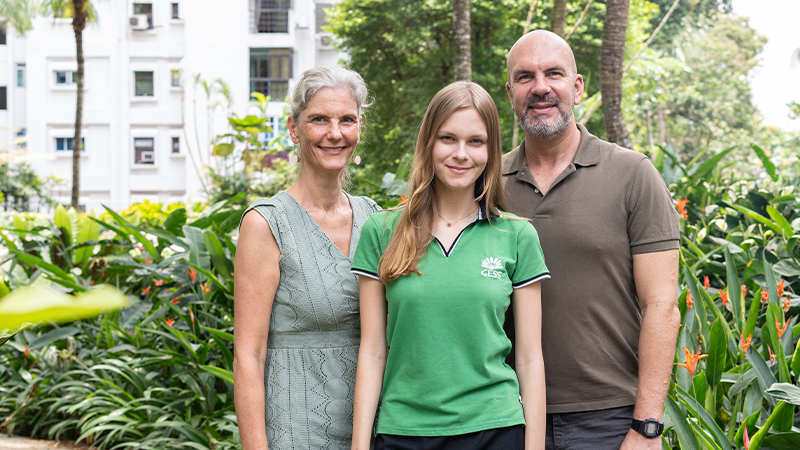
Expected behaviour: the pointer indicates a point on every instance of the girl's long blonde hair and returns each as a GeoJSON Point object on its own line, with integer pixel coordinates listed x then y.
{"type": "Point", "coordinates": [413, 233]}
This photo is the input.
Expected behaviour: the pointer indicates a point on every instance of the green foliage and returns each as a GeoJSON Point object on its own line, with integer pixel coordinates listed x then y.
{"type": "Point", "coordinates": [22, 190]}
{"type": "Point", "coordinates": [152, 376]}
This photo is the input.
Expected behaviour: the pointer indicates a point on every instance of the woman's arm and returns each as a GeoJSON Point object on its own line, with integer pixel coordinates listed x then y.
{"type": "Point", "coordinates": [371, 359]}
{"type": "Point", "coordinates": [256, 278]}
{"type": "Point", "coordinates": [527, 304]}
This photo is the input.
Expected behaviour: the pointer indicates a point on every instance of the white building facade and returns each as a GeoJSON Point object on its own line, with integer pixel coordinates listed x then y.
{"type": "Point", "coordinates": [146, 123]}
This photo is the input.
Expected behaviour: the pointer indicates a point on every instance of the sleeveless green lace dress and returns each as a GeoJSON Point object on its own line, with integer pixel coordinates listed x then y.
{"type": "Point", "coordinates": [314, 330]}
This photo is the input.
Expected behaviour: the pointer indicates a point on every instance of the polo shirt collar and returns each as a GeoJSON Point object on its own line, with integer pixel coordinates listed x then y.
{"type": "Point", "coordinates": [588, 153]}
{"type": "Point", "coordinates": [484, 212]}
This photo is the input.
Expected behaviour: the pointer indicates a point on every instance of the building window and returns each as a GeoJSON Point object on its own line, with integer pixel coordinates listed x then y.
{"type": "Point", "coordinates": [272, 16]}
{"type": "Point", "coordinates": [270, 71]}
{"type": "Point", "coordinates": [176, 145]}
{"type": "Point", "coordinates": [22, 133]}
{"type": "Point", "coordinates": [3, 98]}
{"type": "Point", "coordinates": [64, 144]}
{"type": "Point", "coordinates": [175, 11]}
{"type": "Point", "coordinates": [20, 74]}
{"type": "Point", "coordinates": [2, 34]}
{"type": "Point", "coordinates": [66, 78]}
{"type": "Point", "coordinates": [146, 9]}
{"type": "Point", "coordinates": [175, 78]}
{"type": "Point", "coordinates": [144, 152]}
{"type": "Point", "coordinates": [143, 84]}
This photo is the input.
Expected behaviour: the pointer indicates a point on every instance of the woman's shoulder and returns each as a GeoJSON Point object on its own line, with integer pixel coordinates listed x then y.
{"type": "Point", "coordinates": [276, 201]}
{"type": "Point", "coordinates": [364, 203]}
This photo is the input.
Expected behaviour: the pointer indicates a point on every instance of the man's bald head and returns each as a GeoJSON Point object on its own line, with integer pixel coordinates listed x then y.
{"type": "Point", "coordinates": [541, 42]}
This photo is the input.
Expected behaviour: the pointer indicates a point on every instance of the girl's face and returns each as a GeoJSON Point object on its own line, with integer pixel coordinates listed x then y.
{"type": "Point", "coordinates": [327, 130]}
{"type": "Point", "coordinates": [460, 151]}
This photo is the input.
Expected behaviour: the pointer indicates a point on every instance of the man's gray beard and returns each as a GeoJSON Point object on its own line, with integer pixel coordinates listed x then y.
{"type": "Point", "coordinates": [543, 130]}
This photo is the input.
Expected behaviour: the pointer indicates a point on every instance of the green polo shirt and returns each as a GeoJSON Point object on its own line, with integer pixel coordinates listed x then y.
{"type": "Point", "coordinates": [445, 370]}
{"type": "Point", "coordinates": [609, 204]}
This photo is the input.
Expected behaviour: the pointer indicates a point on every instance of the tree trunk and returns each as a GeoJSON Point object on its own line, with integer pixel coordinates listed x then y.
{"type": "Point", "coordinates": [558, 18]}
{"type": "Point", "coordinates": [612, 56]}
{"type": "Point", "coordinates": [79, 17]}
{"type": "Point", "coordinates": [462, 53]}
{"type": "Point", "coordinates": [662, 124]}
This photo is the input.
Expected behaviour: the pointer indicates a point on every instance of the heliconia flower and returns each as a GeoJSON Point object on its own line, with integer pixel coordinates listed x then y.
{"type": "Point", "coordinates": [764, 297]}
{"type": "Point", "coordinates": [403, 199]}
{"type": "Point", "coordinates": [146, 291]}
{"type": "Point", "coordinates": [745, 343]}
{"type": "Point", "coordinates": [771, 355]}
{"type": "Point", "coordinates": [786, 304]}
{"type": "Point", "coordinates": [706, 283]}
{"type": "Point", "coordinates": [147, 260]}
{"type": "Point", "coordinates": [744, 291]}
{"type": "Point", "coordinates": [91, 283]}
{"type": "Point", "coordinates": [723, 295]}
{"type": "Point", "coordinates": [169, 322]}
{"type": "Point", "coordinates": [681, 204]}
{"type": "Point", "coordinates": [175, 301]}
{"type": "Point", "coordinates": [780, 288]}
{"type": "Point", "coordinates": [192, 273]}
{"type": "Point", "coordinates": [159, 282]}
{"type": "Point", "coordinates": [746, 439]}
{"type": "Point", "coordinates": [191, 316]}
{"type": "Point", "coordinates": [689, 302]}
{"type": "Point", "coordinates": [27, 352]}
{"type": "Point", "coordinates": [691, 360]}
{"type": "Point", "coordinates": [205, 287]}
{"type": "Point", "coordinates": [778, 326]}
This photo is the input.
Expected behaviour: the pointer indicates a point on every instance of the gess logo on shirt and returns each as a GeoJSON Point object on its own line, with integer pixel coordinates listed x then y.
{"type": "Point", "coordinates": [490, 268]}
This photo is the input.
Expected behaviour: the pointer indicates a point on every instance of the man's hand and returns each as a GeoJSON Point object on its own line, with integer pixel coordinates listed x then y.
{"type": "Point", "coordinates": [636, 441]}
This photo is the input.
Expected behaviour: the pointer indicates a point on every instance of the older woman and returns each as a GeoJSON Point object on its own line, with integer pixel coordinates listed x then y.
{"type": "Point", "coordinates": [296, 303]}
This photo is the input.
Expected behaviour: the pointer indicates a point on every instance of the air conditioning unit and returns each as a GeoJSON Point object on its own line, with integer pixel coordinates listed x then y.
{"type": "Point", "coordinates": [139, 22]}
{"type": "Point", "coordinates": [325, 41]}
{"type": "Point", "coordinates": [147, 156]}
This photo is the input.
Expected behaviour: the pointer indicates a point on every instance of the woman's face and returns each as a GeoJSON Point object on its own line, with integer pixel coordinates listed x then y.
{"type": "Point", "coordinates": [460, 151]}
{"type": "Point", "coordinates": [327, 130]}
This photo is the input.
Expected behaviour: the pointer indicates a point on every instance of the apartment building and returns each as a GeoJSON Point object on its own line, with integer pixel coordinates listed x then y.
{"type": "Point", "coordinates": [146, 123]}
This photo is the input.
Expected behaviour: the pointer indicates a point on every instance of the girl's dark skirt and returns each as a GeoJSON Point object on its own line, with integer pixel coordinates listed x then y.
{"type": "Point", "coordinates": [507, 438]}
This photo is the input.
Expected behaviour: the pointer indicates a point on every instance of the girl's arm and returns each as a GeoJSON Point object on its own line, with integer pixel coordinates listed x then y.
{"type": "Point", "coordinates": [255, 282]}
{"type": "Point", "coordinates": [371, 360]}
{"type": "Point", "coordinates": [527, 304]}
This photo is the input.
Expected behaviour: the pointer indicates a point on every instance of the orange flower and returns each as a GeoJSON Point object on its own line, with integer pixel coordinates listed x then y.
{"type": "Point", "coordinates": [681, 204]}
{"type": "Point", "coordinates": [786, 304]}
{"type": "Point", "coordinates": [91, 283]}
{"type": "Point", "coordinates": [764, 297]}
{"type": "Point", "coordinates": [723, 295]}
{"type": "Point", "coordinates": [403, 199]}
{"type": "Point", "coordinates": [691, 360]}
{"type": "Point", "coordinates": [744, 291]}
{"type": "Point", "coordinates": [191, 316]}
{"type": "Point", "coordinates": [170, 322]}
{"type": "Point", "coordinates": [746, 439]}
{"type": "Point", "coordinates": [192, 273]}
{"type": "Point", "coordinates": [146, 291]}
{"type": "Point", "coordinates": [159, 282]}
{"type": "Point", "coordinates": [746, 342]}
{"type": "Point", "coordinates": [778, 326]}
{"type": "Point", "coordinates": [771, 355]}
{"type": "Point", "coordinates": [175, 301]}
{"type": "Point", "coordinates": [689, 302]}
{"type": "Point", "coordinates": [780, 288]}
{"type": "Point", "coordinates": [706, 283]}
{"type": "Point", "coordinates": [147, 260]}
{"type": "Point", "coordinates": [26, 351]}
{"type": "Point", "coordinates": [205, 287]}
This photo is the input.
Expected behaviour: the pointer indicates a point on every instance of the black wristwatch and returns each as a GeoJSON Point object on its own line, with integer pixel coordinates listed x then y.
{"type": "Point", "coordinates": [648, 428]}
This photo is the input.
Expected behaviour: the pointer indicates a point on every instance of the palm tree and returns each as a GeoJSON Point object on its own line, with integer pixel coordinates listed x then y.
{"type": "Point", "coordinates": [19, 14]}
{"type": "Point", "coordinates": [462, 52]}
{"type": "Point", "coordinates": [612, 56]}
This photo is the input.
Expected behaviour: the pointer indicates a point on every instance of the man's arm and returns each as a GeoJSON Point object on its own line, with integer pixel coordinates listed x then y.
{"type": "Point", "coordinates": [656, 278]}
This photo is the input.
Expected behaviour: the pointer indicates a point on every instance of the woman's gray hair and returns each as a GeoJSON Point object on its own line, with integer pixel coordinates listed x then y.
{"type": "Point", "coordinates": [321, 77]}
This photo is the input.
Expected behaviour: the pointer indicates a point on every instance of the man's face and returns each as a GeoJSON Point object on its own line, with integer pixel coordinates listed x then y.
{"type": "Point", "coordinates": [543, 87]}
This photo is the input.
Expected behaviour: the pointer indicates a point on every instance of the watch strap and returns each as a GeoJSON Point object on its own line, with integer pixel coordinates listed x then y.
{"type": "Point", "coordinates": [649, 428]}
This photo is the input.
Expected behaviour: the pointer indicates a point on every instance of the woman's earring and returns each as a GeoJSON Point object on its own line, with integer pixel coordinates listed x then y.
{"type": "Point", "coordinates": [357, 160]}
{"type": "Point", "coordinates": [294, 159]}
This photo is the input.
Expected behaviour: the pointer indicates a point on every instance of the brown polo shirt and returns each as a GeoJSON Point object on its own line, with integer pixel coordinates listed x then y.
{"type": "Point", "coordinates": [609, 204]}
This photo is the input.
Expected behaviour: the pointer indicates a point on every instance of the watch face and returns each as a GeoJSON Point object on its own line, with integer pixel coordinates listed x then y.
{"type": "Point", "coordinates": [650, 428]}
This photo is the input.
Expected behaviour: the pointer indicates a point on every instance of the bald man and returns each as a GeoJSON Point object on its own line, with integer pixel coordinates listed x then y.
{"type": "Point", "coordinates": [610, 236]}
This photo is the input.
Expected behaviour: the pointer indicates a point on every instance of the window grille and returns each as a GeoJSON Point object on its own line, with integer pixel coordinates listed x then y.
{"type": "Point", "coordinates": [143, 84]}
{"type": "Point", "coordinates": [144, 152]}
{"type": "Point", "coordinates": [270, 72]}
{"type": "Point", "coordinates": [272, 16]}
